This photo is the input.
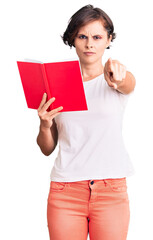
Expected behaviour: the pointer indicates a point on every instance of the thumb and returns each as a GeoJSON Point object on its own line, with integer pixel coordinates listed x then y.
{"type": "Point", "coordinates": [114, 85]}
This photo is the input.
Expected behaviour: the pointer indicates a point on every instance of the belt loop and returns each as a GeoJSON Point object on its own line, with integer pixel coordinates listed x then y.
{"type": "Point", "coordinates": [105, 182]}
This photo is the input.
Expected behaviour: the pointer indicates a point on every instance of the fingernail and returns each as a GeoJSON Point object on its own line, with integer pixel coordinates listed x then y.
{"type": "Point", "coordinates": [115, 86]}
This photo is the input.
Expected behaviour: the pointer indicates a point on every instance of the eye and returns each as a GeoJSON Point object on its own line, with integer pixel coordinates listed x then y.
{"type": "Point", "coordinates": [97, 37]}
{"type": "Point", "coordinates": [82, 37]}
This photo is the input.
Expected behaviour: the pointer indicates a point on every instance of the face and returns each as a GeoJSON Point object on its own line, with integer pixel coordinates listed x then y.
{"type": "Point", "coordinates": [91, 42]}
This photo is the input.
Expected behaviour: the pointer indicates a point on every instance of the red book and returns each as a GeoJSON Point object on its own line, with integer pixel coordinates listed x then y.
{"type": "Point", "coordinates": [62, 80]}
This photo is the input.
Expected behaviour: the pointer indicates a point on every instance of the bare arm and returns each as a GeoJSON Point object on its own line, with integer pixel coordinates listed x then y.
{"type": "Point", "coordinates": [48, 135]}
{"type": "Point", "coordinates": [47, 139]}
{"type": "Point", "coordinates": [127, 85]}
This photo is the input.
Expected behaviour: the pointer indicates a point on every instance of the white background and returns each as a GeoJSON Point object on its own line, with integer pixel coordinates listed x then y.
{"type": "Point", "coordinates": [32, 29]}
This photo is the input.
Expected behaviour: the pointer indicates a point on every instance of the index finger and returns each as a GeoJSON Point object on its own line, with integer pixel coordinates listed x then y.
{"type": "Point", "coordinates": [42, 101]}
{"type": "Point", "coordinates": [109, 65]}
{"type": "Point", "coordinates": [47, 104]}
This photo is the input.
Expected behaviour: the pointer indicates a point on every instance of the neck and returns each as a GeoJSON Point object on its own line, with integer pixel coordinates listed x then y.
{"type": "Point", "coordinates": [90, 71]}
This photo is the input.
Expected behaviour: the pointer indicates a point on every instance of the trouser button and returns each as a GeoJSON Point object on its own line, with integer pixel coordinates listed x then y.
{"type": "Point", "coordinates": [92, 182]}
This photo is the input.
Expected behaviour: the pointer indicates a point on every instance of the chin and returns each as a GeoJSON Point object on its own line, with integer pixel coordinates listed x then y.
{"type": "Point", "coordinates": [89, 61]}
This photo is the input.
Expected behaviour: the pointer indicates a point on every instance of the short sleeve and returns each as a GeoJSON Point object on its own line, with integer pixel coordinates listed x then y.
{"type": "Point", "coordinates": [124, 98]}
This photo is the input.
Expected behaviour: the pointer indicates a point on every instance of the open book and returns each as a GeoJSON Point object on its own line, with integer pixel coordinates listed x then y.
{"type": "Point", "coordinates": [62, 80]}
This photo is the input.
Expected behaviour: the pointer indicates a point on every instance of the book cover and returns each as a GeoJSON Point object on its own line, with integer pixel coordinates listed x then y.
{"type": "Point", "coordinates": [62, 80]}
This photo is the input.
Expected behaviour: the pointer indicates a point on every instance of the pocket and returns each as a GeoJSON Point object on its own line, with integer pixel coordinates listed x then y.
{"type": "Point", "coordinates": [57, 186]}
{"type": "Point", "coordinates": [117, 184]}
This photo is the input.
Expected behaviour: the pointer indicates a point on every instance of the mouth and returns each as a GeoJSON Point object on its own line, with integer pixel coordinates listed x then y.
{"type": "Point", "coordinates": [89, 53]}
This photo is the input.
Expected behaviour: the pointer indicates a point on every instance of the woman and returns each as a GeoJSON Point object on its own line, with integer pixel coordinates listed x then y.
{"type": "Point", "coordinates": [88, 191]}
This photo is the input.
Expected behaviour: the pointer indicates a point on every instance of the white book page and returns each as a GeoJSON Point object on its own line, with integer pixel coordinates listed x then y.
{"type": "Point", "coordinates": [52, 61]}
{"type": "Point", "coordinates": [32, 60]}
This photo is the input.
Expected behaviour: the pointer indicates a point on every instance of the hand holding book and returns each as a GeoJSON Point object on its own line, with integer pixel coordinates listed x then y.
{"type": "Point", "coordinates": [46, 117]}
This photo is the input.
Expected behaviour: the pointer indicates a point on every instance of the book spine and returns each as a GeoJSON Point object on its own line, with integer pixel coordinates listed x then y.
{"type": "Point", "coordinates": [46, 83]}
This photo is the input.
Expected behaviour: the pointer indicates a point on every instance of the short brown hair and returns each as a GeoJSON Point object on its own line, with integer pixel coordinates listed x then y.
{"type": "Point", "coordinates": [83, 16]}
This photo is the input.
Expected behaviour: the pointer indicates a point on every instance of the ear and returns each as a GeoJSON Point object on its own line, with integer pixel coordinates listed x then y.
{"type": "Point", "coordinates": [109, 41]}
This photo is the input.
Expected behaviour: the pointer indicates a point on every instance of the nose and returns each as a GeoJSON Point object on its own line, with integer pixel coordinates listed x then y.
{"type": "Point", "coordinates": [89, 43]}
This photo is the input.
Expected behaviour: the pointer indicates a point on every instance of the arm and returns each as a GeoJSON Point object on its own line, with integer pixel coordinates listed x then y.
{"type": "Point", "coordinates": [47, 139]}
{"type": "Point", "coordinates": [127, 85]}
{"type": "Point", "coordinates": [48, 134]}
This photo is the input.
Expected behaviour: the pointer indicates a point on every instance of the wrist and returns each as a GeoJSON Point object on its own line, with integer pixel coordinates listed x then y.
{"type": "Point", "coordinates": [44, 128]}
{"type": "Point", "coordinates": [121, 83]}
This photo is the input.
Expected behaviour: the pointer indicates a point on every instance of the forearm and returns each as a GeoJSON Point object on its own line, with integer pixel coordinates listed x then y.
{"type": "Point", "coordinates": [45, 141]}
{"type": "Point", "coordinates": [127, 85]}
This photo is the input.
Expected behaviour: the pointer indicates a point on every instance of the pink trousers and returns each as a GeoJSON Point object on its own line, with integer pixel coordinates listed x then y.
{"type": "Point", "coordinates": [98, 207]}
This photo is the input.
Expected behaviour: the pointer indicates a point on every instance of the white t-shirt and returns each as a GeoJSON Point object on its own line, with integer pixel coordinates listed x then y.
{"type": "Point", "coordinates": [90, 142]}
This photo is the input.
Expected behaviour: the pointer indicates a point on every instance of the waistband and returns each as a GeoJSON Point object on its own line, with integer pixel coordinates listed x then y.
{"type": "Point", "coordinates": [91, 181]}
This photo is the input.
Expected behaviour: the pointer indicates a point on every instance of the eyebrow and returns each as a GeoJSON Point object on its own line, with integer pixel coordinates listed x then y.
{"type": "Point", "coordinates": [93, 35]}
